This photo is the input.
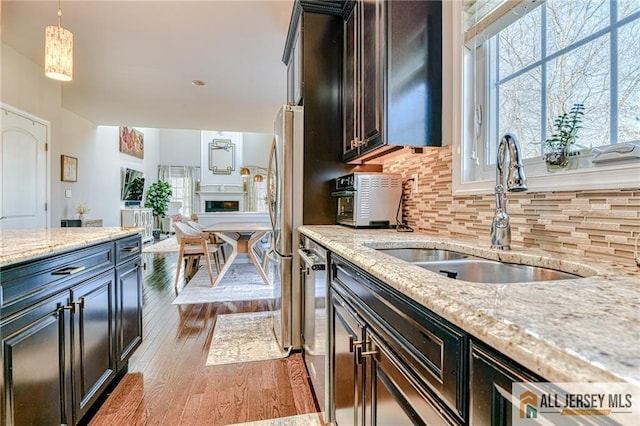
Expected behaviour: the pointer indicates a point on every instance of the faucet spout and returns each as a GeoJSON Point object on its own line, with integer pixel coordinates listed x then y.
{"type": "Point", "coordinates": [516, 181]}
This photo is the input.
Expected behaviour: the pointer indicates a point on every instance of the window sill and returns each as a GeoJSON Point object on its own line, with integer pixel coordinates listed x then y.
{"type": "Point", "coordinates": [613, 177]}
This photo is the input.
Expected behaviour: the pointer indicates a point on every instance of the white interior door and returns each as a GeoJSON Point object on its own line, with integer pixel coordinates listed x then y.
{"type": "Point", "coordinates": [23, 174]}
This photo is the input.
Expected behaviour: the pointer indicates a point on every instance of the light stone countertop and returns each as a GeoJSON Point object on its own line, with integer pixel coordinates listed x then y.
{"type": "Point", "coordinates": [19, 245]}
{"type": "Point", "coordinates": [575, 330]}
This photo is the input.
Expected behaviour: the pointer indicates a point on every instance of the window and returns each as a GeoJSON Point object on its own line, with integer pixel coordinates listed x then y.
{"type": "Point", "coordinates": [182, 180]}
{"type": "Point", "coordinates": [528, 61]}
{"type": "Point", "coordinates": [176, 180]}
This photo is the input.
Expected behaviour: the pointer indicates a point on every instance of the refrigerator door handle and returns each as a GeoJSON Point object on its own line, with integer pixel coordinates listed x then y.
{"type": "Point", "coordinates": [272, 182]}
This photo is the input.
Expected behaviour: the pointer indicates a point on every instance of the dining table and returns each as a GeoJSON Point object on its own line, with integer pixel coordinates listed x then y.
{"type": "Point", "coordinates": [232, 233]}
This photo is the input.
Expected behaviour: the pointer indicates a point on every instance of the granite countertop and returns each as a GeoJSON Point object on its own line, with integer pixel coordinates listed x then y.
{"type": "Point", "coordinates": [19, 245]}
{"type": "Point", "coordinates": [575, 330]}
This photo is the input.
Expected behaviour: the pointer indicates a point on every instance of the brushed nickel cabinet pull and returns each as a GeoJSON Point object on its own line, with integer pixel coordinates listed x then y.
{"type": "Point", "coordinates": [69, 270]}
{"type": "Point", "coordinates": [131, 249]}
{"type": "Point", "coordinates": [366, 354]}
{"type": "Point", "coordinates": [354, 344]}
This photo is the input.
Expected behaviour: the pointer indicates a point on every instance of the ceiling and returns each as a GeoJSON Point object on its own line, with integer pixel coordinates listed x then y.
{"type": "Point", "coordinates": [134, 61]}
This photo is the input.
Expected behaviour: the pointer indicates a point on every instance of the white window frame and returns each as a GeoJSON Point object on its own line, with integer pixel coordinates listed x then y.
{"type": "Point", "coordinates": [609, 177]}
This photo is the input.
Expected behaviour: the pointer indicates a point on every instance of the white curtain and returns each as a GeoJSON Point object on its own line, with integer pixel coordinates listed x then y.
{"type": "Point", "coordinates": [190, 176]}
{"type": "Point", "coordinates": [164, 173]}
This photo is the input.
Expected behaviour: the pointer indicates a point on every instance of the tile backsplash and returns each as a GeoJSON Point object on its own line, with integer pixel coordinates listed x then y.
{"type": "Point", "coordinates": [597, 224]}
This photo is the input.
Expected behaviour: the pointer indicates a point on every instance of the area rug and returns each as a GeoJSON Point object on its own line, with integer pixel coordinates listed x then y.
{"type": "Point", "coordinates": [312, 419]}
{"type": "Point", "coordinates": [244, 337]}
{"type": "Point", "coordinates": [168, 245]}
{"type": "Point", "coordinates": [241, 282]}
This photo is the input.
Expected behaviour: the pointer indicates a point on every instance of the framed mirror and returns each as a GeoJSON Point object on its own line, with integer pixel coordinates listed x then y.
{"type": "Point", "coordinates": [222, 156]}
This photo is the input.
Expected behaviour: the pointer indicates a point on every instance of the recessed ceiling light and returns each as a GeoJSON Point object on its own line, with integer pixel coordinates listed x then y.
{"type": "Point", "coordinates": [198, 83]}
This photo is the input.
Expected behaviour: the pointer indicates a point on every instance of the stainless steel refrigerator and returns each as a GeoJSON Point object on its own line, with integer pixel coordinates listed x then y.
{"type": "Point", "coordinates": [305, 158]}
{"type": "Point", "coordinates": [285, 199]}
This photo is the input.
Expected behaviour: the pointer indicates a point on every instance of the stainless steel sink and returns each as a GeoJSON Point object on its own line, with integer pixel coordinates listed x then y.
{"type": "Point", "coordinates": [419, 254]}
{"type": "Point", "coordinates": [490, 271]}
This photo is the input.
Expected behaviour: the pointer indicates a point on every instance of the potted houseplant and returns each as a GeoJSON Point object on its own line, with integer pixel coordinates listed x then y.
{"type": "Point", "coordinates": [561, 146]}
{"type": "Point", "coordinates": [158, 197]}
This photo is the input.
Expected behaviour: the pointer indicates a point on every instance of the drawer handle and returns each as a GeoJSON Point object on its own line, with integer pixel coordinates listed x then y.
{"type": "Point", "coordinates": [366, 354]}
{"type": "Point", "coordinates": [354, 344]}
{"type": "Point", "coordinates": [69, 270]}
{"type": "Point", "coordinates": [79, 304]}
{"type": "Point", "coordinates": [131, 249]}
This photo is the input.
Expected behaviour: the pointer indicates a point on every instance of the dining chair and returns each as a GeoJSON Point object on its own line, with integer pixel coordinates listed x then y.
{"type": "Point", "coordinates": [193, 245]}
{"type": "Point", "coordinates": [213, 238]}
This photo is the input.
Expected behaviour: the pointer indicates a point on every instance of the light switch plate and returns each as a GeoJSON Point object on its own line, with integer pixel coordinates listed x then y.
{"type": "Point", "coordinates": [67, 193]}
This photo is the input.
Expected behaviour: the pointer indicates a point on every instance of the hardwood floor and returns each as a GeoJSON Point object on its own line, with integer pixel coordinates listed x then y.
{"type": "Point", "coordinates": [168, 382]}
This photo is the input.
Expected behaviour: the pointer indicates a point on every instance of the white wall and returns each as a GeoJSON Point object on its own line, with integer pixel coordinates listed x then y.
{"type": "Point", "coordinates": [180, 147]}
{"type": "Point", "coordinates": [256, 147]}
{"type": "Point", "coordinates": [25, 87]}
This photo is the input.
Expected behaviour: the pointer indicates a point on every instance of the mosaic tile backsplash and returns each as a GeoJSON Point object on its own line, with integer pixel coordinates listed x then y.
{"type": "Point", "coordinates": [598, 224]}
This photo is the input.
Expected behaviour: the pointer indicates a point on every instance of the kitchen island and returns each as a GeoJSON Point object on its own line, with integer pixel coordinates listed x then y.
{"type": "Point", "coordinates": [571, 330]}
{"type": "Point", "coordinates": [71, 316]}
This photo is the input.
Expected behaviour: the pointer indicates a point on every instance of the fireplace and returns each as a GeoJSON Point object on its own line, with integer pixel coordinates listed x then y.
{"type": "Point", "coordinates": [222, 198]}
{"type": "Point", "coordinates": [221, 206]}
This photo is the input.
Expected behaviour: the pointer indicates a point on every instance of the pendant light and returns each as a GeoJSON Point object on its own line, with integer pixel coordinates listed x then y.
{"type": "Point", "coordinates": [58, 51]}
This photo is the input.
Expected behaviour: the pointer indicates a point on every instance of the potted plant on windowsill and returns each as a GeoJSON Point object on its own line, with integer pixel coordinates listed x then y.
{"type": "Point", "coordinates": [561, 146]}
{"type": "Point", "coordinates": [158, 197]}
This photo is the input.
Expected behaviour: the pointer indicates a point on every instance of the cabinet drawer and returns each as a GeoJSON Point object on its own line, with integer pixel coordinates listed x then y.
{"type": "Point", "coordinates": [28, 283]}
{"type": "Point", "coordinates": [431, 347]}
{"type": "Point", "coordinates": [128, 248]}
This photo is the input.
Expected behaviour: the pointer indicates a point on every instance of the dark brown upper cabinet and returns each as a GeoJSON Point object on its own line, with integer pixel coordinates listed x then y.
{"type": "Point", "coordinates": [392, 77]}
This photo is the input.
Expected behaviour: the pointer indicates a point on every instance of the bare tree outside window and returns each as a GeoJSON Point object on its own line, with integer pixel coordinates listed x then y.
{"type": "Point", "coordinates": [566, 52]}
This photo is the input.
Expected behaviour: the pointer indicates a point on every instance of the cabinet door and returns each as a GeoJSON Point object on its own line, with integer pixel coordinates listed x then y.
{"type": "Point", "coordinates": [396, 397]}
{"type": "Point", "coordinates": [413, 73]}
{"type": "Point", "coordinates": [93, 362]}
{"type": "Point", "coordinates": [491, 377]}
{"type": "Point", "coordinates": [372, 59]}
{"type": "Point", "coordinates": [129, 310]}
{"type": "Point", "coordinates": [35, 368]}
{"type": "Point", "coordinates": [348, 380]}
{"type": "Point", "coordinates": [350, 146]}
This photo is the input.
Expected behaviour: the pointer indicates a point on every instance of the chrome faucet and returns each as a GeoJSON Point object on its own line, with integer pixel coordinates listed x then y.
{"type": "Point", "coordinates": [516, 182]}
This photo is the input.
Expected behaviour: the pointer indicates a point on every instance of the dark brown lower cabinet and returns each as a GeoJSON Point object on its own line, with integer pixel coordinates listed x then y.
{"type": "Point", "coordinates": [129, 310]}
{"type": "Point", "coordinates": [490, 380]}
{"type": "Point", "coordinates": [93, 364]}
{"type": "Point", "coordinates": [68, 324]}
{"type": "Point", "coordinates": [349, 381]}
{"type": "Point", "coordinates": [58, 356]}
{"type": "Point", "coordinates": [377, 345]}
{"type": "Point", "coordinates": [35, 365]}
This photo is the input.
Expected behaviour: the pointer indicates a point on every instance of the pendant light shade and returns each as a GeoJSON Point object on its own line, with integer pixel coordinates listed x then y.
{"type": "Point", "coordinates": [58, 52]}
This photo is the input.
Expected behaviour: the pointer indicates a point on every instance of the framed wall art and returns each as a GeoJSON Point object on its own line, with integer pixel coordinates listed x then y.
{"type": "Point", "coordinates": [132, 142]}
{"type": "Point", "coordinates": [68, 168]}
{"type": "Point", "coordinates": [222, 156]}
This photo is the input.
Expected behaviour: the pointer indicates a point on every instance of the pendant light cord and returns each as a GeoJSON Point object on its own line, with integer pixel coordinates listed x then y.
{"type": "Point", "coordinates": [59, 14]}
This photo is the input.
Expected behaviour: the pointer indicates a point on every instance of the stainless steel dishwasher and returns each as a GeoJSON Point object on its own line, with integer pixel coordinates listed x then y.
{"type": "Point", "coordinates": [314, 317]}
